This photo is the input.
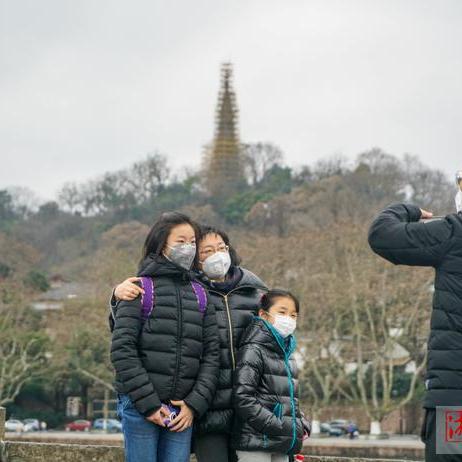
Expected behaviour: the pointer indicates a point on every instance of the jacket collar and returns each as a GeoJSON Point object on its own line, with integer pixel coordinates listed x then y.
{"type": "Point", "coordinates": [241, 278]}
{"type": "Point", "coordinates": [158, 265]}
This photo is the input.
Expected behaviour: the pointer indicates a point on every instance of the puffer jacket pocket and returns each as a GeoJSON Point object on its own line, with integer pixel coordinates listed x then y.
{"type": "Point", "coordinates": [278, 410]}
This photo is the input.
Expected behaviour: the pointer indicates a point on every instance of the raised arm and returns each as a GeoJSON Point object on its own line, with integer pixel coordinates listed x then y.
{"type": "Point", "coordinates": [398, 236]}
{"type": "Point", "coordinates": [127, 290]}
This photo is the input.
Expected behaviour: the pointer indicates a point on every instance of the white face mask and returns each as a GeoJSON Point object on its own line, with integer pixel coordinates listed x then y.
{"type": "Point", "coordinates": [217, 265]}
{"type": "Point", "coordinates": [285, 325]}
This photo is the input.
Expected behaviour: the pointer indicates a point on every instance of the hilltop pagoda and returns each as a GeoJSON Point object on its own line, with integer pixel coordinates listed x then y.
{"type": "Point", "coordinates": [223, 169]}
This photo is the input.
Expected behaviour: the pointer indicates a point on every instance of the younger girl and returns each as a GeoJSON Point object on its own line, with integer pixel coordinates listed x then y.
{"type": "Point", "coordinates": [166, 359]}
{"type": "Point", "coordinates": [268, 426]}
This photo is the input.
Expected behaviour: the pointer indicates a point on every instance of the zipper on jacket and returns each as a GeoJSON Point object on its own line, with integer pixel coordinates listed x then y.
{"type": "Point", "coordinates": [230, 323]}
{"type": "Point", "coordinates": [231, 335]}
{"type": "Point", "coordinates": [179, 338]}
{"type": "Point", "coordinates": [292, 402]}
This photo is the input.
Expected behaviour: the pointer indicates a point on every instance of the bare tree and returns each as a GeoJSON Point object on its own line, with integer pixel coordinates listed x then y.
{"type": "Point", "coordinates": [378, 177]}
{"type": "Point", "coordinates": [148, 177]}
{"type": "Point", "coordinates": [259, 158]}
{"type": "Point", "coordinates": [387, 307]}
{"type": "Point", "coordinates": [69, 197]}
{"type": "Point", "coordinates": [24, 201]}
{"type": "Point", "coordinates": [336, 165]}
{"type": "Point", "coordinates": [430, 188]}
{"type": "Point", "coordinates": [22, 356]}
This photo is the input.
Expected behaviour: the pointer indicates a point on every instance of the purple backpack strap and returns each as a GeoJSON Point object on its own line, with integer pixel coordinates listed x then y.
{"type": "Point", "coordinates": [147, 299]}
{"type": "Point", "coordinates": [201, 296]}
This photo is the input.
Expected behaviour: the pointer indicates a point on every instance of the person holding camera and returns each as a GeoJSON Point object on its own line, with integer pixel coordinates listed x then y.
{"type": "Point", "coordinates": [405, 235]}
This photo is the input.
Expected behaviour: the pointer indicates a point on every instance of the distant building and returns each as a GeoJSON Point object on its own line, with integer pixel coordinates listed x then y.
{"type": "Point", "coordinates": [60, 291]}
{"type": "Point", "coordinates": [344, 350]}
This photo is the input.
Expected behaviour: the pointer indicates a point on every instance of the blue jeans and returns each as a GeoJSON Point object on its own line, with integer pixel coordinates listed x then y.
{"type": "Point", "coordinates": [148, 442]}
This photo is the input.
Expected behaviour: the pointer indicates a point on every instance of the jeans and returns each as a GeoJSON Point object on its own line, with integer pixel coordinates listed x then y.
{"type": "Point", "coordinates": [257, 456]}
{"type": "Point", "coordinates": [148, 442]}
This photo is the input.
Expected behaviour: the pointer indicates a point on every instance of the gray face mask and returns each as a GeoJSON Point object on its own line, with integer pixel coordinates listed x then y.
{"type": "Point", "coordinates": [182, 255]}
{"type": "Point", "coordinates": [217, 265]}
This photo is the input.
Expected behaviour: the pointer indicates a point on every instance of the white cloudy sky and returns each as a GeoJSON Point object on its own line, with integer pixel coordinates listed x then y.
{"type": "Point", "coordinates": [93, 85]}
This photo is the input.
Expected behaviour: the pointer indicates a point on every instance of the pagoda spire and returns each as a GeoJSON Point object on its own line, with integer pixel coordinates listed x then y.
{"type": "Point", "coordinates": [223, 163]}
{"type": "Point", "coordinates": [227, 112]}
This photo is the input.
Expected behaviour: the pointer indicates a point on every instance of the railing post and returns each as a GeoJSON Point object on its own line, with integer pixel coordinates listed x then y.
{"type": "Point", "coordinates": [2, 423]}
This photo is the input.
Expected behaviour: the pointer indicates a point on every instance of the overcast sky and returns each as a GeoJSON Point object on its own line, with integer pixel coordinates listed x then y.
{"type": "Point", "coordinates": [93, 85]}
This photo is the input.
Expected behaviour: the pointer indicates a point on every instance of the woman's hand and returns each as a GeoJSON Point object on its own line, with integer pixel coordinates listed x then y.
{"type": "Point", "coordinates": [425, 214]}
{"type": "Point", "coordinates": [158, 417]}
{"type": "Point", "coordinates": [184, 419]}
{"type": "Point", "coordinates": [127, 290]}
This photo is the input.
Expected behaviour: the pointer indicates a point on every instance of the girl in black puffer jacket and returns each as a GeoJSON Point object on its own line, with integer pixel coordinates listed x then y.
{"type": "Point", "coordinates": [170, 356]}
{"type": "Point", "coordinates": [268, 426]}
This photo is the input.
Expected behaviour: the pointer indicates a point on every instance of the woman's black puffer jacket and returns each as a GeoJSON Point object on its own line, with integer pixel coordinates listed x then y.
{"type": "Point", "coordinates": [266, 393]}
{"type": "Point", "coordinates": [236, 302]}
{"type": "Point", "coordinates": [173, 355]}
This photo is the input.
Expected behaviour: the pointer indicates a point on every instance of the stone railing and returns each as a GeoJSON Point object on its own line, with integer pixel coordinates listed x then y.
{"type": "Point", "coordinates": [14, 451]}
{"type": "Point", "coordinates": [20, 451]}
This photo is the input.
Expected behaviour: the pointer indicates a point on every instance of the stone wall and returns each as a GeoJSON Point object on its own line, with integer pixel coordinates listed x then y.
{"type": "Point", "coordinates": [14, 451]}
{"type": "Point", "coordinates": [20, 451]}
{"type": "Point", "coordinates": [45, 452]}
{"type": "Point", "coordinates": [348, 459]}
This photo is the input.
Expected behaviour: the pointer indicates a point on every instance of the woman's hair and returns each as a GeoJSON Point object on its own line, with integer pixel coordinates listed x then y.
{"type": "Point", "coordinates": [158, 234]}
{"type": "Point", "coordinates": [235, 258]}
{"type": "Point", "coordinates": [268, 299]}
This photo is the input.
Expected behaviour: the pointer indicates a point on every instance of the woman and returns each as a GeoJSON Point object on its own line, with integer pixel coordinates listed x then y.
{"type": "Point", "coordinates": [268, 425]}
{"type": "Point", "coordinates": [235, 292]}
{"type": "Point", "coordinates": [168, 363]}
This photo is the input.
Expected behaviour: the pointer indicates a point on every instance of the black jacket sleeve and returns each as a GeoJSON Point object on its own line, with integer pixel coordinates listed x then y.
{"type": "Point", "coordinates": [398, 236]}
{"type": "Point", "coordinates": [126, 361]}
{"type": "Point", "coordinates": [112, 310]}
{"type": "Point", "coordinates": [201, 396]}
{"type": "Point", "coordinates": [249, 371]}
{"type": "Point", "coordinates": [113, 300]}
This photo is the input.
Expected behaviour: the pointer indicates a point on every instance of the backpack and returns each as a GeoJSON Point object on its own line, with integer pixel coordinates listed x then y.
{"type": "Point", "coordinates": [149, 297]}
